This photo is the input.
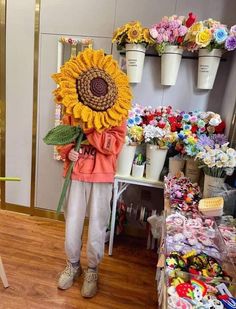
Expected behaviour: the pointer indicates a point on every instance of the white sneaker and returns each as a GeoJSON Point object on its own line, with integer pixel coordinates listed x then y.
{"type": "Point", "coordinates": [90, 285]}
{"type": "Point", "coordinates": [68, 276]}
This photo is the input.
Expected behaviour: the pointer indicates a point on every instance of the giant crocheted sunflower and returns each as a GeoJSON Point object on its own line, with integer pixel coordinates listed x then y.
{"type": "Point", "coordinates": [93, 90]}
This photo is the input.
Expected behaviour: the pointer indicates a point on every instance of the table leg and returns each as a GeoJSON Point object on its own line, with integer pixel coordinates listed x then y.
{"type": "Point", "coordinates": [113, 217]}
{"type": "Point", "coordinates": [3, 275]}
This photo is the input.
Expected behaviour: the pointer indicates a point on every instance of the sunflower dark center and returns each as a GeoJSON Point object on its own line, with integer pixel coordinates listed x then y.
{"type": "Point", "coordinates": [98, 87]}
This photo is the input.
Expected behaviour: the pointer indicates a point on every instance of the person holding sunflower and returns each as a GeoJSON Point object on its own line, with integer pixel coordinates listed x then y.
{"type": "Point", "coordinates": [95, 95]}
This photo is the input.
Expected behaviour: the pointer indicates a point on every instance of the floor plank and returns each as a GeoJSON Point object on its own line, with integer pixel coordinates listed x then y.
{"type": "Point", "coordinates": [32, 250]}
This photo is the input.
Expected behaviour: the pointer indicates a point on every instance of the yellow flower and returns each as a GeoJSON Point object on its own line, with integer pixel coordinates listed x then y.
{"type": "Point", "coordinates": [147, 37]}
{"type": "Point", "coordinates": [203, 38]}
{"type": "Point", "coordinates": [119, 32]}
{"type": "Point", "coordinates": [135, 34]}
{"type": "Point", "coordinates": [195, 28]}
{"type": "Point", "coordinates": [93, 90]}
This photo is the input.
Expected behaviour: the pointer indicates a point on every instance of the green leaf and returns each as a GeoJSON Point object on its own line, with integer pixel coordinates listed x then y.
{"type": "Point", "coordinates": [62, 135]}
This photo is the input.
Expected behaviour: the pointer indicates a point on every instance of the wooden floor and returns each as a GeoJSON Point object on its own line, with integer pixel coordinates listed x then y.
{"type": "Point", "coordinates": [32, 250]}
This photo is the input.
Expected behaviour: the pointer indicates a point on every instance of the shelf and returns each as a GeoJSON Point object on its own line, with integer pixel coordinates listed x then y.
{"type": "Point", "coordinates": [183, 57]}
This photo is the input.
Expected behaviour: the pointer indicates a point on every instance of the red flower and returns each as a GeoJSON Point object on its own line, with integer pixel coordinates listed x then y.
{"type": "Point", "coordinates": [173, 127]}
{"type": "Point", "coordinates": [161, 125]}
{"type": "Point", "coordinates": [191, 19]}
{"type": "Point", "coordinates": [180, 39]}
{"type": "Point", "coordinates": [194, 128]}
{"type": "Point", "coordinates": [220, 128]}
{"type": "Point", "coordinates": [179, 118]}
{"type": "Point", "coordinates": [172, 119]}
{"type": "Point", "coordinates": [178, 125]}
{"type": "Point", "coordinates": [169, 109]}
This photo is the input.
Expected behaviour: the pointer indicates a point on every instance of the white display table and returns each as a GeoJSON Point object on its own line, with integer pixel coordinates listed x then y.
{"type": "Point", "coordinates": [120, 185]}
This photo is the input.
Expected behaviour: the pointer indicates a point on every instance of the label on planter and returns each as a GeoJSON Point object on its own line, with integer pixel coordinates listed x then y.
{"type": "Point", "coordinates": [204, 68]}
{"type": "Point", "coordinates": [132, 62]}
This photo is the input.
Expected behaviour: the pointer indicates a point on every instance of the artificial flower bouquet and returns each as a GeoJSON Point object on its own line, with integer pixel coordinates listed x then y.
{"type": "Point", "coordinates": [217, 161]}
{"type": "Point", "coordinates": [210, 34]}
{"type": "Point", "coordinates": [157, 130]}
{"type": "Point", "coordinates": [134, 126]}
{"type": "Point", "coordinates": [132, 33]}
{"type": "Point", "coordinates": [171, 31]}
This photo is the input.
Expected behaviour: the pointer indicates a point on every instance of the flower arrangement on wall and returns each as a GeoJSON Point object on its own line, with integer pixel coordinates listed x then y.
{"type": "Point", "coordinates": [171, 31]}
{"type": "Point", "coordinates": [132, 33]}
{"type": "Point", "coordinates": [210, 34]}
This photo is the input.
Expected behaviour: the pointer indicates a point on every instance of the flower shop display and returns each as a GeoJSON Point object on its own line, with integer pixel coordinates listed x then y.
{"type": "Point", "coordinates": [133, 138]}
{"type": "Point", "coordinates": [216, 163]}
{"type": "Point", "coordinates": [227, 227]}
{"type": "Point", "coordinates": [96, 93]}
{"type": "Point", "coordinates": [138, 166]}
{"type": "Point", "coordinates": [135, 38]}
{"type": "Point", "coordinates": [156, 135]}
{"type": "Point", "coordinates": [182, 193]}
{"type": "Point", "coordinates": [169, 35]}
{"type": "Point", "coordinates": [211, 38]}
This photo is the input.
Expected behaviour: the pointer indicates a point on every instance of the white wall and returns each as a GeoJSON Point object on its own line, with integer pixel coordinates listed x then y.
{"type": "Point", "coordinates": [19, 98]}
{"type": "Point", "coordinates": [96, 19]}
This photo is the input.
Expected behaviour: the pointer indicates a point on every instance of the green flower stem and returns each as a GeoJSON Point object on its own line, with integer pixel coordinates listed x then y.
{"type": "Point", "coordinates": [68, 175]}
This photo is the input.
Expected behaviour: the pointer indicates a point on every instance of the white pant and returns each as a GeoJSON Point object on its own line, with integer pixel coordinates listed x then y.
{"type": "Point", "coordinates": [93, 199]}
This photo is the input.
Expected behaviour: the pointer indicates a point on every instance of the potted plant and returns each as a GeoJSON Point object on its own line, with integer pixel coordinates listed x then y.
{"type": "Point", "coordinates": [156, 135]}
{"type": "Point", "coordinates": [134, 137]}
{"type": "Point", "coordinates": [138, 166]}
{"type": "Point", "coordinates": [216, 163]}
{"type": "Point", "coordinates": [135, 39]}
{"type": "Point", "coordinates": [211, 38]}
{"type": "Point", "coordinates": [169, 35]}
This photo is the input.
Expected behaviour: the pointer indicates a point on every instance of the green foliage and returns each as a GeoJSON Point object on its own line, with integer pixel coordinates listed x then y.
{"type": "Point", "coordinates": [62, 135]}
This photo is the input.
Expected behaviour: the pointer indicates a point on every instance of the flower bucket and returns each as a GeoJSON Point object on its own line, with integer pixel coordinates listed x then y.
{"type": "Point", "coordinates": [138, 170]}
{"type": "Point", "coordinates": [212, 186]}
{"type": "Point", "coordinates": [208, 63]}
{"type": "Point", "coordinates": [170, 63]}
{"type": "Point", "coordinates": [135, 54]}
{"type": "Point", "coordinates": [176, 165]}
{"type": "Point", "coordinates": [155, 159]}
{"type": "Point", "coordinates": [191, 170]}
{"type": "Point", "coordinates": [125, 160]}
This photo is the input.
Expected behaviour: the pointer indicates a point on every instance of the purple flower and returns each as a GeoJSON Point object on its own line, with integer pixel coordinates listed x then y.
{"type": "Point", "coordinates": [219, 139]}
{"type": "Point", "coordinates": [230, 43]}
{"type": "Point", "coordinates": [204, 141]}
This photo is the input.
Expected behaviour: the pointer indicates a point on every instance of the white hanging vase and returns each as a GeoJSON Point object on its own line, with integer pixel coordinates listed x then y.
{"type": "Point", "coordinates": [155, 159]}
{"type": "Point", "coordinates": [191, 170]}
{"type": "Point", "coordinates": [138, 170]}
{"type": "Point", "coordinates": [176, 165]}
{"type": "Point", "coordinates": [170, 63]}
{"type": "Point", "coordinates": [135, 54]}
{"type": "Point", "coordinates": [212, 185]}
{"type": "Point", "coordinates": [125, 160]}
{"type": "Point", "coordinates": [208, 63]}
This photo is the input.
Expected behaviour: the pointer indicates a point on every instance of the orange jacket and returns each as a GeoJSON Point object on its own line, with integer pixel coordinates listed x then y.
{"type": "Point", "coordinates": [97, 160]}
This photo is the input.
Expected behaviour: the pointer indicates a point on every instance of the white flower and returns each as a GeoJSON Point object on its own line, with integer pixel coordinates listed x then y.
{"type": "Point", "coordinates": [224, 147]}
{"type": "Point", "coordinates": [207, 161]}
{"type": "Point", "coordinates": [200, 155]}
{"type": "Point", "coordinates": [153, 33]}
{"type": "Point", "coordinates": [224, 158]}
{"type": "Point", "coordinates": [231, 152]}
{"type": "Point", "coordinates": [219, 164]}
{"type": "Point", "coordinates": [229, 171]}
{"type": "Point", "coordinates": [231, 163]}
{"type": "Point", "coordinates": [215, 121]}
